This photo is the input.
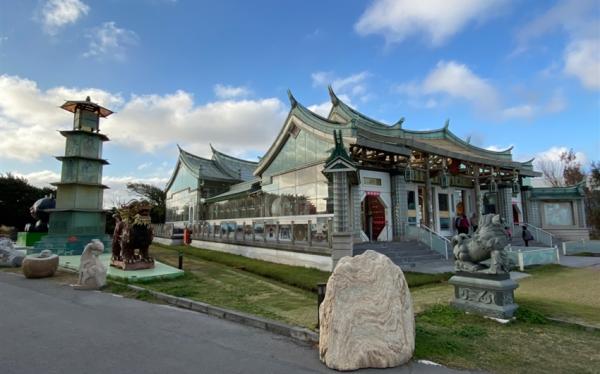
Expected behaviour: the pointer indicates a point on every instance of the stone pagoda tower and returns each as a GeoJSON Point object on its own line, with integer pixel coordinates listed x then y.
{"type": "Point", "coordinates": [79, 216]}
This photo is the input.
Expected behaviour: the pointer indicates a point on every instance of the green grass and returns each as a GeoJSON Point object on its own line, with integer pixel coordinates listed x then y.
{"type": "Point", "coordinates": [530, 345]}
{"type": "Point", "coordinates": [296, 276]}
{"type": "Point", "coordinates": [560, 292]}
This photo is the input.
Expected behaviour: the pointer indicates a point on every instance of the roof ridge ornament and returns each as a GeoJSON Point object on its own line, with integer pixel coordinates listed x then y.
{"type": "Point", "coordinates": [446, 124]}
{"type": "Point", "coordinates": [399, 123]}
{"type": "Point", "coordinates": [334, 99]}
{"type": "Point", "coordinates": [468, 139]}
{"type": "Point", "coordinates": [293, 101]}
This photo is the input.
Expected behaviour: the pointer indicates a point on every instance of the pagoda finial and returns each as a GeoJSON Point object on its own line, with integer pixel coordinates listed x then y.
{"type": "Point", "coordinates": [333, 96]}
{"type": "Point", "coordinates": [293, 101]}
{"type": "Point", "coordinates": [88, 99]}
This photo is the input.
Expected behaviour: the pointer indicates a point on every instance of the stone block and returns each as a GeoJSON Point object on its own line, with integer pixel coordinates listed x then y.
{"type": "Point", "coordinates": [485, 295]}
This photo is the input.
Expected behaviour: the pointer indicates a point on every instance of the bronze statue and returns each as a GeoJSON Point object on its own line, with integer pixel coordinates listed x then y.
{"type": "Point", "coordinates": [132, 237]}
{"type": "Point", "coordinates": [487, 242]}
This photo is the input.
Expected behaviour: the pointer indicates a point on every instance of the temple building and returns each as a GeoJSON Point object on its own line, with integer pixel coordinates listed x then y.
{"type": "Point", "coordinates": [348, 173]}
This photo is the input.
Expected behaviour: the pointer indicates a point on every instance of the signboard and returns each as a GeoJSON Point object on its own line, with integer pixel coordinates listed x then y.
{"type": "Point", "coordinates": [373, 193]}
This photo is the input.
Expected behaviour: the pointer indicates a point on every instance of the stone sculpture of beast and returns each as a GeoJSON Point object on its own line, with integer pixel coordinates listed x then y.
{"type": "Point", "coordinates": [92, 273]}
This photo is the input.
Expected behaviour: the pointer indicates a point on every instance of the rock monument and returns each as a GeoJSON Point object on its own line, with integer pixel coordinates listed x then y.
{"type": "Point", "coordinates": [367, 318]}
{"type": "Point", "coordinates": [92, 273]}
{"type": "Point", "coordinates": [41, 265]}
{"type": "Point", "coordinates": [132, 237]}
{"type": "Point", "coordinates": [9, 256]}
{"type": "Point", "coordinates": [478, 287]}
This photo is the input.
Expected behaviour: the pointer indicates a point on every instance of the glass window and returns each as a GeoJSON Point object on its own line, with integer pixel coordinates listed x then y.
{"type": "Point", "coordinates": [411, 200]}
{"type": "Point", "coordinates": [443, 202]}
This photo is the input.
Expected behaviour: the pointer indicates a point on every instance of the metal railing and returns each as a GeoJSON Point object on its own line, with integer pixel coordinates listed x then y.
{"type": "Point", "coordinates": [539, 235]}
{"type": "Point", "coordinates": [431, 239]}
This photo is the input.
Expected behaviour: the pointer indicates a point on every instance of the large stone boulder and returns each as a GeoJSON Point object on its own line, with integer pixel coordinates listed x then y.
{"type": "Point", "coordinates": [366, 318]}
{"type": "Point", "coordinates": [9, 256]}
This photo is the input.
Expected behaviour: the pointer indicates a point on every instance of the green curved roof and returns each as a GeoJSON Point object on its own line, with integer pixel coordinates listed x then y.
{"type": "Point", "coordinates": [357, 125]}
{"type": "Point", "coordinates": [221, 167]}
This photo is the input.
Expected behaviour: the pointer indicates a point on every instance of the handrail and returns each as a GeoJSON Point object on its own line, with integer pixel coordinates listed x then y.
{"type": "Point", "coordinates": [539, 234]}
{"type": "Point", "coordinates": [433, 234]}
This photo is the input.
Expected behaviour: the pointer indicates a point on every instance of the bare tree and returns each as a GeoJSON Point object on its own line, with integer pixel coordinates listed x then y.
{"type": "Point", "coordinates": [566, 171]}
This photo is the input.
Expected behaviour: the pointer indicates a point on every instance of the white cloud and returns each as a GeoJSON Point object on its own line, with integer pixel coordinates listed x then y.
{"type": "Point", "coordinates": [41, 178]}
{"type": "Point", "coordinates": [322, 109]}
{"type": "Point", "coordinates": [455, 80]}
{"type": "Point", "coordinates": [110, 42]}
{"type": "Point", "coordinates": [497, 148]}
{"type": "Point", "coordinates": [57, 13]}
{"type": "Point", "coordinates": [438, 20]}
{"type": "Point", "coordinates": [579, 20]}
{"type": "Point", "coordinates": [450, 79]}
{"type": "Point", "coordinates": [346, 88]}
{"type": "Point", "coordinates": [230, 92]}
{"type": "Point", "coordinates": [582, 60]}
{"type": "Point", "coordinates": [29, 118]}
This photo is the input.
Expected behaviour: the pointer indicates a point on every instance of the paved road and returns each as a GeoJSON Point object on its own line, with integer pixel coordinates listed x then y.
{"type": "Point", "coordinates": [50, 328]}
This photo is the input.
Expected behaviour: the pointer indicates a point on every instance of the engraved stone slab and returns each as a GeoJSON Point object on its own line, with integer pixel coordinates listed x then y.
{"type": "Point", "coordinates": [484, 296]}
{"type": "Point", "coordinates": [367, 318]}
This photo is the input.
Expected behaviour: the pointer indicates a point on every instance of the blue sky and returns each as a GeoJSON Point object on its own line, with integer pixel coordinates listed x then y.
{"type": "Point", "coordinates": [506, 73]}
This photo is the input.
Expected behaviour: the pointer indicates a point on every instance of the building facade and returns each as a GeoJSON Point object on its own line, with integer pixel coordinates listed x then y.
{"type": "Point", "coordinates": [393, 178]}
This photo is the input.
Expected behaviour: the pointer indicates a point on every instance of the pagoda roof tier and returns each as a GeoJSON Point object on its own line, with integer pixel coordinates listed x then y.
{"type": "Point", "coordinates": [87, 104]}
{"type": "Point", "coordinates": [357, 128]}
{"type": "Point", "coordinates": [103, 137]}
{"type": "Point", "coordinates": [101, 160]}
{"type": "Point", "coordinates": [57, 184]}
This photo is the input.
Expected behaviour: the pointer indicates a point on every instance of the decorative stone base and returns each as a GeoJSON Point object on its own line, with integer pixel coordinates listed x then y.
{"type": "Point", "coordinates": [484, 294]}
{"type": "Point", "coordinates": [39, 267]}
{"type": "Point", "coordinates": [136, 265]}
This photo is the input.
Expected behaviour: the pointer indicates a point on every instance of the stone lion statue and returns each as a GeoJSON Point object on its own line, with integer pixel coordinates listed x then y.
{"type": "Point", "coordinates": [487, 242]}
{"type": "Point", "coordinates": [133, 235]}
{"type": "Point", "coordinates": [92, 272]}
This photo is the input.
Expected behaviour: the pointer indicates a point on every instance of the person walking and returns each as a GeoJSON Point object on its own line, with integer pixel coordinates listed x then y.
{"type": "Point", "coordinates": [527, 236]}
{"type": "Point", "coordinates": [462, 224]}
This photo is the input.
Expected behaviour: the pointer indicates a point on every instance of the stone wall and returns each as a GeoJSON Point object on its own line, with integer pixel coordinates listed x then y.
{"type": "Point", "coordinates": [399, 206]}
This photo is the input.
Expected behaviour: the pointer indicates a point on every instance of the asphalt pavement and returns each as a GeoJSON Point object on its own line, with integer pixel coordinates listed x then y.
{"type": "Point", "coordinates": [46, 327]}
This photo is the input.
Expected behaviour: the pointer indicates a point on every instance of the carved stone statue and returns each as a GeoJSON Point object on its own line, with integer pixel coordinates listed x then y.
{"type": "Point", "coordinates": [487, 242]}
{"type": "Point", "coordinates": [132, 237]}
{"type": "Point", "coordinates": [92, 272]}
{"type": "Point", "coordinates": [480, 288]}
{"type": "Point", "coordinates": [8, 255]}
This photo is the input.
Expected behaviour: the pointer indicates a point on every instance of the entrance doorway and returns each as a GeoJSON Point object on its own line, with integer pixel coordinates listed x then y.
{"type": "Point", "coordinates": [373, 216]}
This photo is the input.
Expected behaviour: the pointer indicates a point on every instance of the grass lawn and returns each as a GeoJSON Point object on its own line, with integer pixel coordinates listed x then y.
{"type": "Point", "coordinates": [529, 345]}
{"type": "Point", "coordinates": [296, 276]}
{"type": "Point", "coordinates": [562, 292]}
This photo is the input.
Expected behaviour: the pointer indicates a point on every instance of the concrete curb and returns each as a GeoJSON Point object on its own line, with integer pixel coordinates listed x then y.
{"type": "Point", "coordinates": [298, 334]}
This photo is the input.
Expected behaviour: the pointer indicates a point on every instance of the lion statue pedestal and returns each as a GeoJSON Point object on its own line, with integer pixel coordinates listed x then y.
{"type": "Point", "coordinates": [132, 237]}
{"type": "Point", "coordinates": [480, 288]}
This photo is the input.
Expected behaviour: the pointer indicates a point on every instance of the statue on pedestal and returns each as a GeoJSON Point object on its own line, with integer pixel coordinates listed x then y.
{"type": "Point", "coordinates": [132, 237]}
{"type": "Point", "coordinates": [482, 282]}
{"type": "Point", "coordinates": [39, 213]}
